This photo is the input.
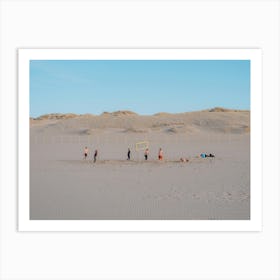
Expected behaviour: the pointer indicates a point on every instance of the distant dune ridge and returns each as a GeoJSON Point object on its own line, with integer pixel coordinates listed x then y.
{"type": "Point", "coordinates": [220, 109]}
{"type": "Point", "coordinates": [56, 116]}
{"type": "Point", "coordinates": [217, 120]}
{"type": "Point", "coordinates": [119, 113]}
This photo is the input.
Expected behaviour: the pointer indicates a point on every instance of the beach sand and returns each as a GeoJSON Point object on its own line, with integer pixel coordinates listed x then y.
{"type": "Point", "coordinates": [64, 186]}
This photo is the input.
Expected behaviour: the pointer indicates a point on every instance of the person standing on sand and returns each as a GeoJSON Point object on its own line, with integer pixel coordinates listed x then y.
{"type": "Point", "coordinates": [160, 154]}
{"type": "Point", "coordinates": [128, 154]}
{"type": "Point", "coordinates": [85, 152]}
{"type": "Point", "coordinates": [146, 154]}
{"type": "Point", "coordinates": [95, 156]}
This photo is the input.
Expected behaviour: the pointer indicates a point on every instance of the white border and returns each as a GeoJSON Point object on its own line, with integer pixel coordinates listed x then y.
{"type": "Point", "coordinates": [254, 224]}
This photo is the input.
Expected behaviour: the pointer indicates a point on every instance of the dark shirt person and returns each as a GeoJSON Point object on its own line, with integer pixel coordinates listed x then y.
{"type": "Point", "coordinates": [146, 154]}
{"type": "Point", "coordinates": [128, 154]}
{"type": "Point", "coordinates": [95, 156]}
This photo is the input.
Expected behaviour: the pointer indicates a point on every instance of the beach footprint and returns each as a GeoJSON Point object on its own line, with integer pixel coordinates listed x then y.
{"type": "Point", "coordinates": [227, 195]}
{"type": "Point", "coordinates": [244, 196]}
{"type": "Point", "coordinates": [195, 196]}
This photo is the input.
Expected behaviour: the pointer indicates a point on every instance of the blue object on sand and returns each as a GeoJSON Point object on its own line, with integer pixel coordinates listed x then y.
{"type": "Point", "coordinates": [203, 155]}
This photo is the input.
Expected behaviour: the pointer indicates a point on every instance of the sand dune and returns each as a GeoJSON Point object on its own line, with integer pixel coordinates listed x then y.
{"type": "Point", "coordinates": [216, 120]}
{"type": "Point", "coordinates": [64, 186]}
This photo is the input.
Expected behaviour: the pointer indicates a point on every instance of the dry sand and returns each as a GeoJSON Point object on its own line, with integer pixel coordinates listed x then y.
{"type": "Point", "coordinates": [64, 186]}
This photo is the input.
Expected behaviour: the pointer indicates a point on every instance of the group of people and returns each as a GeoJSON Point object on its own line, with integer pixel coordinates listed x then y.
{"type": "Point", "coordinates": [86, 153]}
{"type": "Point", "coordinates": [146, 155]}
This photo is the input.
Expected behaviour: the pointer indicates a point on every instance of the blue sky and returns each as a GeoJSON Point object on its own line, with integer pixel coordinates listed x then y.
{"type": "Point", "coordinates": [143, 86]}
